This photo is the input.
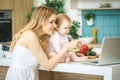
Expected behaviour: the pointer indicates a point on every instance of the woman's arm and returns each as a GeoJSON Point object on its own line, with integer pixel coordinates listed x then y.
{"type": "Point", "coordinates": [51, 54]}
{"type": "Point", "coordinates": [32, 42]}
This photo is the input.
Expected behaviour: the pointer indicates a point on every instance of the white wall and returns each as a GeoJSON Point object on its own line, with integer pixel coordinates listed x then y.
{"type": "Point", "coordinates": [38, 2]}
{"type": "Point", "coordinates": [73, 14]}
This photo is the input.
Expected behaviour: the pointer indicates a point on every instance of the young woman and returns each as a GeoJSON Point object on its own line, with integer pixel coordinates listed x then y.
{"type": "Point", "coordinates": [29, 46]}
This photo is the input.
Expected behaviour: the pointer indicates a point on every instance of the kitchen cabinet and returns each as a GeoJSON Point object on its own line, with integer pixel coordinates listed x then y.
{"type": "Point", "coordinates": [45, 75]}
{"type": "Point", "coordinates": [3, 71]}
{"type": "Point", "coordinates": [95, 4]}
{"type": "Point", "coordinates": [19, 14]}
{"type": "Point", "coordinates": [6, 4]}
{"type": "Point", "coordinates": [20, 9]}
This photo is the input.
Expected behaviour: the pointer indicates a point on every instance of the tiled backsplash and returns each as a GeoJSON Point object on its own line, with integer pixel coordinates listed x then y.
{"type": "Point", "coordinates": [107, 23]}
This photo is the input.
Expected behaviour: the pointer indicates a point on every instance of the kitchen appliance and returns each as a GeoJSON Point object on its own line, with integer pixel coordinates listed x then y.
{"type": "Point", "coordinates": [5, 25]}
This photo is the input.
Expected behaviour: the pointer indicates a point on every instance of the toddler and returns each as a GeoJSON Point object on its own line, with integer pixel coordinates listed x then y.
{"type": "Point", "coordinates": [60, 38]}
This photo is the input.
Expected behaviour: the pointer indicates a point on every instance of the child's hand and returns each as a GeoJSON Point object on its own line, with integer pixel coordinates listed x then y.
{"type": "Point", "coordinates": [67, 59]}
{"type": "Point", "coordinates": [80, 55]}
{"type": "Point", "coordinates": [73, 44]}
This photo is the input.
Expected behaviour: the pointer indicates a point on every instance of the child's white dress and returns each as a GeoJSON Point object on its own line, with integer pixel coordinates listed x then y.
{"type": "Point", "coordinates": [57, 41]}
{"type": "Point", "coordinates": [23, 65]}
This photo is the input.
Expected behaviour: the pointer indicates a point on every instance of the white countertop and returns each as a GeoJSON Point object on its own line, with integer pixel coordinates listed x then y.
{"type": "Point", "coordinates": [5, 61]}
{"type": "Point", "coordinates": [110, 72]}
{"type": "Point", "coordinates": [75, 67]}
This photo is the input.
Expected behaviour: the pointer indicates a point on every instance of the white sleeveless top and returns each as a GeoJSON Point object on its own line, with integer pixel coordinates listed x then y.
{"type": "Point", "coordinates": [23, 65]}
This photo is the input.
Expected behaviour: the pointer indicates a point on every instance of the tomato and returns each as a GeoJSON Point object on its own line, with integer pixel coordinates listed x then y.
{"type": "Point", "coordinates": [83, 49]}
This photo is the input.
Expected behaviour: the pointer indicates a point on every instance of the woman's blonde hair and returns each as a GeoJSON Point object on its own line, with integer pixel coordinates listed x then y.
{"type": "Point", "coordinates": [61, 17]}
{"type": "Point", "coordinates": [39, 16]}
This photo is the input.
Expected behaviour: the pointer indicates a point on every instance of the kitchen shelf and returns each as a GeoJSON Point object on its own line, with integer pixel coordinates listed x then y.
{"type": "Point", "coordinates": [98, 8]}
{"type": "Point", "coordinates": [94, 4]}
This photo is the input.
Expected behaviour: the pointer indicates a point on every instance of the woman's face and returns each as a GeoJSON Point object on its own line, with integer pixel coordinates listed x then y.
{"type": "Point", "coordinates": [49, 25]}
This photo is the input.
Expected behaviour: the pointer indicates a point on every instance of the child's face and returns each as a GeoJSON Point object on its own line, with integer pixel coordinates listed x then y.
{"type": "Point", "coordinates": [64, 28]}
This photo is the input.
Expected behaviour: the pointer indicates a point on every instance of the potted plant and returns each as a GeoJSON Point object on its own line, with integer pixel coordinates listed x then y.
{"type": "Point", "coordinates": [89, 18]}
{"type": "Point", "coordinates": [73, 33]}
{"type": "Point", "coordinates": [57, 5]}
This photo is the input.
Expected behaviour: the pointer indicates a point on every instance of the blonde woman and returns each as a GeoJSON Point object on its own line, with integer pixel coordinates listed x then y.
{"type": "Point", "coordinates": [29, 46]}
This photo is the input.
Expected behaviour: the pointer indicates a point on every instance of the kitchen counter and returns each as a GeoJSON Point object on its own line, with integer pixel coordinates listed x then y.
{"type": "Point", "coordinates": [109, 72]}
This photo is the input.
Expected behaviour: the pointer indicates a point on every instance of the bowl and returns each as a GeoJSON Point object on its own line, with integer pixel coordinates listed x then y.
{"type": "Point", "coordinates": [86, 40]}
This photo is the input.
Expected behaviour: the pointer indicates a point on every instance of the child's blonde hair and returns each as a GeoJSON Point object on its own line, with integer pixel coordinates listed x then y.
{"type": "Point", "coordinates": [39, 16]}
{"type": "Point", "coordinates": [61, 17]}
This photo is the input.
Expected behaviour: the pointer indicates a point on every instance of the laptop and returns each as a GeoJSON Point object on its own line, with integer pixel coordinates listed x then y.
{"type": "Point", "coordinates": [110, 53]}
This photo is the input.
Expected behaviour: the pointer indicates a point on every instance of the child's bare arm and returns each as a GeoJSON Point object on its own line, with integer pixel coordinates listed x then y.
{"type": "Point", "coordinates": [74, 57]}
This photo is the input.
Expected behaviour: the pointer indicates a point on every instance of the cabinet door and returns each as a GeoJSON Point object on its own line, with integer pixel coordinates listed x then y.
{"type": "Point", "coordinates": [6, 5]}
{"type": "Point", "coordinates": [19, 14]}
{"type": "Point", "coordinates": [3, 71]}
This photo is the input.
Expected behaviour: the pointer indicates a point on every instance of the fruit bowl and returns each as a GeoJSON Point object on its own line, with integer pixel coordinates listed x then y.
{"type": "Point", "coordinates": [86, 40]}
